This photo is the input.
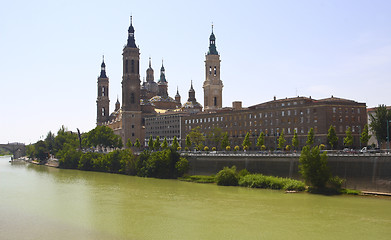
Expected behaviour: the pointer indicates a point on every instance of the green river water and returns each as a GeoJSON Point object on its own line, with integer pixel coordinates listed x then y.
{"type": "Point", "coordinates": [38, 202]}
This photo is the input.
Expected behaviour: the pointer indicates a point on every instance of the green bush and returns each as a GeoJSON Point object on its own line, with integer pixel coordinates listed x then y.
{"type": "Point", "coordinates": [182, 166]}
{"type": "Point", "coordinates": [243, 173]}
{"type": "Point", "coordinates": [261, 181]}
{"type": "Point", "coordinates": [199, 179]}
{"type": "Point", "coordinates": [335, 183]}
{"type": "Point", "coordinates": [227, 177]}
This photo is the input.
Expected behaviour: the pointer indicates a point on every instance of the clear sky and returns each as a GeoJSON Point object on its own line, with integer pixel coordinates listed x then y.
{"type": "Point", "coordinates": [51, 51]}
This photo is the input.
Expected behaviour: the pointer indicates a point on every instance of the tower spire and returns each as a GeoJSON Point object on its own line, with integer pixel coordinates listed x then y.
{"type": "Point", "coordinates": [212, 44]}
{"type": "Point", "coordinates": [131, 41]}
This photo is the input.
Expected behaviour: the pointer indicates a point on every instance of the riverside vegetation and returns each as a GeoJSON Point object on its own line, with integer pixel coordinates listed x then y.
{"type": "Point", "coordinates": [74, 152]}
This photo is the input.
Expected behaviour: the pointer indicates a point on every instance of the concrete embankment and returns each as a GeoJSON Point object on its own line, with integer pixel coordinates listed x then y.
{"type": "Point", "coordinates": [369, 172]}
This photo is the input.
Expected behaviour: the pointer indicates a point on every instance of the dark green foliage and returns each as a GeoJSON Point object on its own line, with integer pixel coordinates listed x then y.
{"type": "Point", "coordinates": [270, 182]}
{"type": "Point", "coordinates": [310, 137]}
{"type": "Point", "coordinates": [243, 173]}
{"type": "Point", "coordinates": [137, 144]}
{"type": "Point", "coordinates": [281, 140]}
{"type": "Point", "coordinates": [196, 137]}
{"type": "Point", "coordinates": [313, 167]}
{"type": "Point", "coordinates": [103, 136]}
{"type": "Point", "coordinates": [182, 166]}
{"type": "Point", "coordinates": [64, 140]}
{"type": "Point", "coordinates": [332, 138]}
{"type": "Point", "coordinates": [156, 144]}
{"type": "Point", "coordinates": [348, 140]}
{"type": "Point", "coordinates": [150, 143]}
{"type": "Point", "coordinates": [49, 140]}
{"type": "Point", "coordinates": [160, 164]}
{"type": "Point", "coordinates": [335, 183]}
{"type": "Point", "coordinates": [175, 143]}
{"type": "Point", "coordinates": [364, 138]}
{"type": "Point", "coordinates": [40, 151]}
{"type": "Point", "coordinates": [164, 144]}
{"type": "Point", "coordinates": [198, 179]}
{"type": "Point", "coordinates": [295, 140]}
{"type": "Point", "coordinates": [69, 157]}
{"type": "Point", "coordinates": [261, 140]}
{"type": "Point", "coordinates": [215, 136]}
{"type": "Point", "coordinates": [227, 177]}
{"type": "Point", "coordinates": [246, 142]}
{"type": "Point", "coordinates": [128, 162]}
{"type": "Point", "coordinates": [225, 142]}
{"type": "Point", "coordinates": [86, 161]}
{"type": "Point", "coordinates": [379, 122]}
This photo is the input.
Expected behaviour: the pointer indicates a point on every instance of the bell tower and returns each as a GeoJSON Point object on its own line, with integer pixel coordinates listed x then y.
{"type": "Point", "coordinates": [103, 102]}
{"type": "Point", "coordinates": [213, 86]}
{"type": "Point", "coordinates": [131, 108]}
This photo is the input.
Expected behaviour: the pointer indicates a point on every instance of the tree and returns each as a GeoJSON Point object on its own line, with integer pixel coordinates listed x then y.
{"type": "Point", "coordinates": [295, 140]}
{"type": "Point", "coordinates": [102, 136]}
{"type": "Point", "coordinates": [175, 143]}
{"type": "Point", "coordinates": [310, 137]}
{"type": "Point", "coordinates": [197, 138]}
{"type": "Point", "coordinates": [41, 151]}
{"type": "Point", "coordinates": [246, 142]}
{"type": "Point", "coordinates": [49, 140]}
{"type": "Point", "coordinates": [137, 144]}
{"type": "Point", "coordinates": [156, 144]}
{"type": "Point", "coordinates": [225, 142]}
{"type": "Point", "coordinates": [188, 141]}
{"type": "Point", "coordinates": [379, 122]}
{"type": "Point", "coordinates": [129, 143]}
{"type": "Point", "coordinates": [150, 143]}
{"type": "Point", "coordinates": [164, 144]}
{"type": "Point", "coordinates": [215, 136]}
{"type": "Point", "coordinates": [348, 140]}
{"type": "Point", "coordinates": [332, 138]}
{"type": "Point", "coordinates": [364, 138]}
{"type": "Point", "coordinates": [261, 140]}
{"type": "Point", "coordinates": [281, 140]}
{"type": "Point", "coordinates": [313, 167]}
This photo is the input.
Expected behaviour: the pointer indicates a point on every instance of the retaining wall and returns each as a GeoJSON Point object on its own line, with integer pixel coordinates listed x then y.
{"type": "Point", "coordinates": [371, 172]}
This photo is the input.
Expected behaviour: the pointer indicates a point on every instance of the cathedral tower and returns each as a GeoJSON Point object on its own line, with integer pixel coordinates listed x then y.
{"type": "Point", "coordinates": [131, 108]}
{"type": "Point", "coordinates": [213, 86]}
{"type": "Point", "coordinates": [102, 102]}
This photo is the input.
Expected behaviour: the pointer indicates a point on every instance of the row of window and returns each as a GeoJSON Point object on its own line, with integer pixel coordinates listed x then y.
{"type": "Point", "coordinates": [346, 110]}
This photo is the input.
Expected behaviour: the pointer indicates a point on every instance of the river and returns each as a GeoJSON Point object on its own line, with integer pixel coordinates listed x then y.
{"type": "Point", "coordinates": [39, 202]}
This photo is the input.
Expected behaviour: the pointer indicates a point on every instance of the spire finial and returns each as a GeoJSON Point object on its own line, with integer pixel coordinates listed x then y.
{"type": "Point", "coordinates": [212, 27]}
{"type": "Point", "coordinates": [131, 19]}
{"type": "Point", "coordinates": [162, 61]}
{"type": "Point", "coordinates": [149, 61]}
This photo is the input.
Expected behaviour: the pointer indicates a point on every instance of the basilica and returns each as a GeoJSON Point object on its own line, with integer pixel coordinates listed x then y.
{"type": "Point", "coordinates": [149, 98]}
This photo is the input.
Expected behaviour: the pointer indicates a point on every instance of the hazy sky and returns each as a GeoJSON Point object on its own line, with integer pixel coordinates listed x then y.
{"type": "Point", "coordinates": [51, 53]}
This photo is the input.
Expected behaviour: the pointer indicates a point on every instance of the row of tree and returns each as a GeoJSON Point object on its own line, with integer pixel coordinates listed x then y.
{"type": "Point", "coordinates": [220, 139]}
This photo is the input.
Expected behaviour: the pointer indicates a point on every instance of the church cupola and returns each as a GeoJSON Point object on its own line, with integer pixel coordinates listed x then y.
{"type": "Point", "coordinates": [162, 74]}
{"type": "Point", "coordinates": [150, 72]}
{"type": "Point", "coordinates": [191, 93]}
{"type": "Point", "coordinates": [117, 105]}
{"type": "Point", "coordinates": [177, 96]}
{"type": "Point", "coordinates": [131, 41]}
{"type": "Point", "coordinates": [212, 44]}
{"type": "Point", "coordinates": [103, 69]}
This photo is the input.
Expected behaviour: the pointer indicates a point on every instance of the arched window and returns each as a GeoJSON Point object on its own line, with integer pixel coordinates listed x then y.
{"type": "Point", "coordinates": [215, 70]}
{"type": "Point", "coordinates": [215, 101]}
{"type": "Point", "coordinates": [210, 70]}
{"type": "Point", "coordinates": [103, 91]}
{"type": "Point", "coordinates": [132, 98]}
{"type": "Point", "coordinates": [132, 67]}
{"type": "Point", "coordinates": [103, 112]}
{"type": "Point", "coordinates": [126, 66]}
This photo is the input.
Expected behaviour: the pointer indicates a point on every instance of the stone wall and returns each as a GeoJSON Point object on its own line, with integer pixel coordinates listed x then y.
{"type": "Point", "coordinates": [371, 172]}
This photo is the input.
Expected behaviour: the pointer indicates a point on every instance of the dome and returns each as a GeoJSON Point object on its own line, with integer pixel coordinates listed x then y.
{"type": "Point", "coordinates": [161, 99]}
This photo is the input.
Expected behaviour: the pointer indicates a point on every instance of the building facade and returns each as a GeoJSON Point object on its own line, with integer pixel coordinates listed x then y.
{"type": "Point", "coordinates": [298, 114]}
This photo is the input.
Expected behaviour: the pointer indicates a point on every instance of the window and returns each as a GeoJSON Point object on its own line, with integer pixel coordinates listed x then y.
{"type": "Point", "coordinates": [103, 91]}
{"type": "Point", "coordinates": [282, 113]}
{"type": "Point", "coordinates": [126, 65]}
{"type": "Point", "coordinates": [132, 66]}
{"type": "Point", "coordinates": [215, 71]}
{"type": "Point", "coordinates": [132, 98]}
{"type": "Point", "coordinates": [358, 110]}
{"type": "Point", "coordinates": [132, 126]}
{"type": "Point", "coordinates": [103, 112]}
{"type": "Point", "coordinates": [289, 112]}
{"type": "Point", "coordinates": [210, 70]}
{"type": "Point", "coordinates": [215, 101]}
{"type": "Point", "coordinates": [334, 109]}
